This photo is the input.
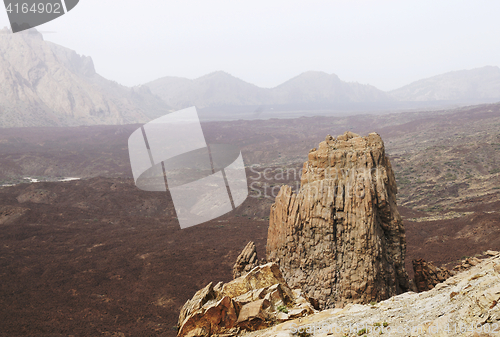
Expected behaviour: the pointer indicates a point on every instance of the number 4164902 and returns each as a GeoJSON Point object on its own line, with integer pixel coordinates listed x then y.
{"type": "Point", "coordinates": [35, 8]}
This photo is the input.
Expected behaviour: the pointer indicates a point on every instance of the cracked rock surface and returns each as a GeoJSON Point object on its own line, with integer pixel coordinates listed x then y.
{"type": "Point", "coordinates": [340, 238]}
{"type": "Point", "coordinates": [464, 305]}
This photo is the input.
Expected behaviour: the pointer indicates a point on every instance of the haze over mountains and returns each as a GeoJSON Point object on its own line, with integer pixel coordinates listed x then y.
{"type": "Point", "coordinates": [480, 85]}
{"type": "Point", "coordinates": [44, 84]}
{"type": "Point", "coordinates": [220, 88]}
{"type": "Point", "coordinates": [474, 84]}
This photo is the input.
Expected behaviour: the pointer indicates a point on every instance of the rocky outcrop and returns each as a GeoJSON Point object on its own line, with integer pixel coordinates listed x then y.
{"type": "Point", "coordinates": [340, 238]}
{"type": "Point", "coordinates": [246, 261]}
{"type": "Point", "coordinates": [256, 300]}
{"type": "Point", "coordinates": [427, 275]}
{"type": "Point", "coordinates": [37, 196]}
{"type": "Point", "coordinates": [466, 304]}
{"type": "Point", "coordinates": [467, 263]}
{"type": "Point", "coordinates": [9, 214]}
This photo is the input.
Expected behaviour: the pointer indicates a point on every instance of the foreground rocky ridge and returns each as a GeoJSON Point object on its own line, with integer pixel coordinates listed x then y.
{"type": "Point", "coordinates": [256, 300]}
{"type": "Point", "coordinates": [341, 238]}
{"type": "Point", "coordinates": [464, 305]}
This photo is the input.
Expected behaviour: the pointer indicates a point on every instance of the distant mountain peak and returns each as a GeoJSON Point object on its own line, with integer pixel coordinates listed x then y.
{"type": "Point", "coordinates": [317, 73]}
{"type": "Point", "coordinates": [223, 89]}
{"type": "Point", "coordinates": [44, 84]}
{"type": "Point", "coordinates": [220, 75]}
{"type": "Point", "coordinates": [471, 84]}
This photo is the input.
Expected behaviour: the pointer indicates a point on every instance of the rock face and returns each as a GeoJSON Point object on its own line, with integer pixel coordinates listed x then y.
{"type": "Point", "coordinates": [341, 238]}
{"type": "Point", "coordinates": [246, 261]}
{"type": "Point", "coordinates": [253, 301]}
{"type": "Point", "coordinates": [427, 275]}
{"type": "Point", "coordinates": [44, 84]}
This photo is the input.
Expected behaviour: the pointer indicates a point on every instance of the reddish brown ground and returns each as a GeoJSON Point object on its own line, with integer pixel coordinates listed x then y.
{"type": "Point", "coordinates": [99, 257]}
{"type": "Point", "coordinates": [104, 257]}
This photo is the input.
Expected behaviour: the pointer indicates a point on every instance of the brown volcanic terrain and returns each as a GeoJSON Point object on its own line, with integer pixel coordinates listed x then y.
{"type": "Point", "coordinates": [100, 257]}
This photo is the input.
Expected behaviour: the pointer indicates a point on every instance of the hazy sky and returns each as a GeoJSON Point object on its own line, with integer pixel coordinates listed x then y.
{"type": "Point", "coordinates": [384, 43]}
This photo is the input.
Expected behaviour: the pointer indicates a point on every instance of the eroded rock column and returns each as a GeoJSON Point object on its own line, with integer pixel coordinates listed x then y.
{"type": "Point", "coordinates": [341, 238]}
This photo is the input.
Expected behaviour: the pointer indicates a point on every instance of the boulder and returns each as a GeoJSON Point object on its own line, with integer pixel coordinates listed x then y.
{"type": "Point", "coordinates": [260, 277]}
{"type": "Point", "coordinates": [213, 317]}
{"type": "Point", "coordinates": [254, 315]}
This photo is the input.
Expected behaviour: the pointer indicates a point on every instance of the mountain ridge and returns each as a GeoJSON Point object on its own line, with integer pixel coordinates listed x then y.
{"type": "Point", "coordinates": [307, 87]}
{"type": "Point", "coordinates": [477, 83]}
{"type": "Point", "coordinates": [44, 84]}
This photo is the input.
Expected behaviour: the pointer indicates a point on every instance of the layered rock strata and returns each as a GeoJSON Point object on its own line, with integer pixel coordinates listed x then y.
{"type": "Point", "coordinates": [340, 238]}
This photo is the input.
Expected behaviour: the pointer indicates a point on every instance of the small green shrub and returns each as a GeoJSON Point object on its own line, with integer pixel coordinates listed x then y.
{"type": "Point", "coordinates": [301, 332]}
{"type": "Point", "coordinates": [282, 308]}
{"type": "Point", "coordinates": [362, 332]}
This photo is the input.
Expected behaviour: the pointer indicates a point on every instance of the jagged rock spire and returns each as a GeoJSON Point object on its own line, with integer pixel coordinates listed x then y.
{"type": "Point", "coordinates": [341, 238]}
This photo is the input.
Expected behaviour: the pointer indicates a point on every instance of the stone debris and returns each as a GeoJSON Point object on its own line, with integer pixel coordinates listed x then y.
{"type": "Point", "coordinates": [256, 300]}
{"type": "Point", "coordinates": [467, 264]}
{"type": "Point", "coordinates": [427, 276]}
{"type": "Point", "coordinates": [340, 238]}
